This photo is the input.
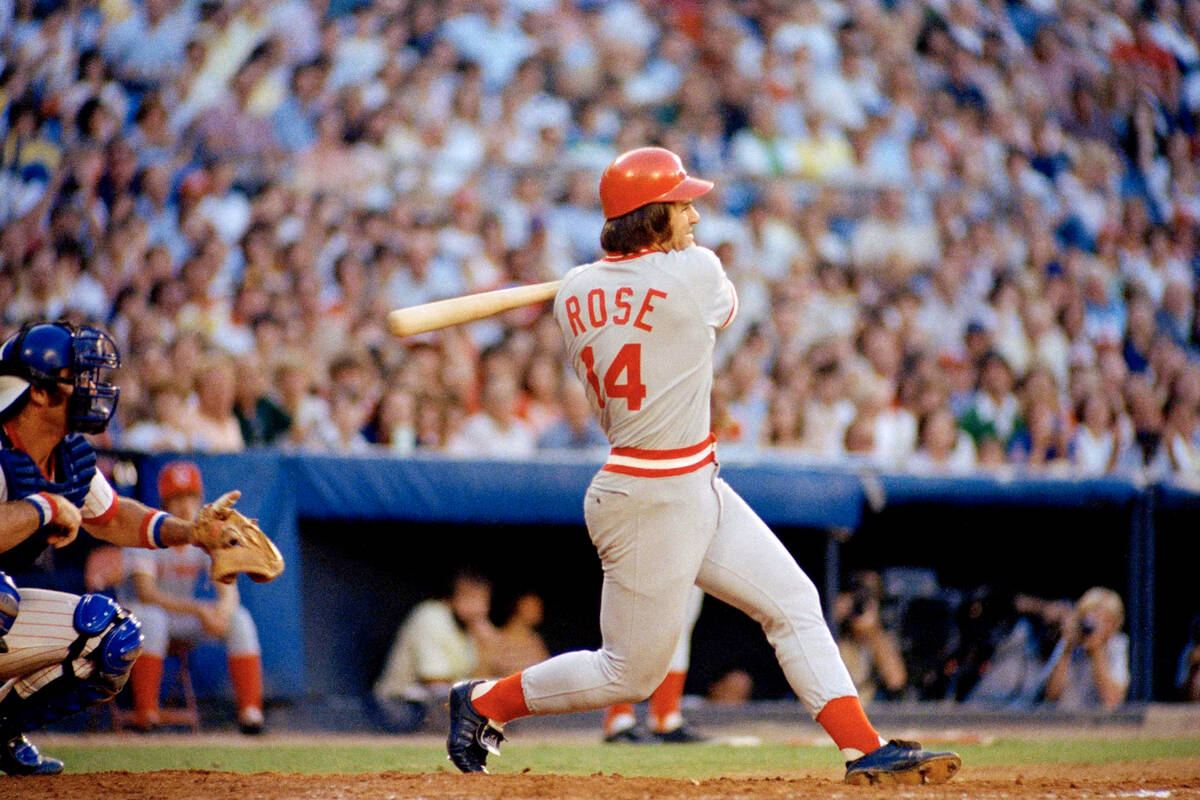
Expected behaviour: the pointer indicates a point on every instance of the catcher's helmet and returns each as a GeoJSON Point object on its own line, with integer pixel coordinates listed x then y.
{"type": "Point", "coordinates": [40, 351]}
{"type": "Point", "coordinates": [643, 176]}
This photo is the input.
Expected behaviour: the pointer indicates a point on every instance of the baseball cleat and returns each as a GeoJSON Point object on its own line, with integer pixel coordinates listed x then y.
{"type": "Point", "coordinates": [681, 735]}
{"type": "Point", "coordinates": [19, 756]}
{"type": "Point", "coordinates": [472, 735]}
{"type": "Point", "coordinates": [634, 734]}
{"type": "Point", "coordinates": [901, 762]}
{"type": "Point", "coordinates": [251, 721]}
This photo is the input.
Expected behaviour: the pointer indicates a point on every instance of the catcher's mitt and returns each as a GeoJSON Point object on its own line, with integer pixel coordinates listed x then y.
{"type": "Point", "coordinates": [235, 543]}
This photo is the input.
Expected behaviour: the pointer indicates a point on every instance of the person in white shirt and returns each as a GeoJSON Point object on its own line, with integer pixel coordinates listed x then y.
{"type": "Point", "coordinates": [496, 431]}
{"type": "Point", "coordinates": [164, 589]}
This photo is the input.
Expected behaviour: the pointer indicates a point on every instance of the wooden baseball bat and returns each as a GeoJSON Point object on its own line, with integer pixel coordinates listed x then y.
{"type": "Point", "coordinates": [468, 308]}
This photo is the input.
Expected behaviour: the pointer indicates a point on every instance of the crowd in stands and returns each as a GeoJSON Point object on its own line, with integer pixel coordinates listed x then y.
{"type": "Point", "coordinates": [964, 232]}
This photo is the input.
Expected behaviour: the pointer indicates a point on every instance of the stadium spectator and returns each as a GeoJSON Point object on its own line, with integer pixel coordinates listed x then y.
{"type": "Point", "coordinates": [578, 428]}
{"type": "Point", "coordinates": [162, 424]}
{"type": "Point", "coordinates": [517, 643]}
{"type": "Point", "coordinates": [1090, 664]}
{"type": "Point", "coordinates": [213, 427]}
{"type": "Point", "coordinates": [438, 643]}
{"type": "Point", "coordinates": [261, 420]}
{"type": "Point", "coordinates": [394, 422]}
{"type": "Point", "coordinates": [495, 431]}
{"type": "Point", "coordinates": [994, 409]}
{"type": "Point", "coordinates": [828, 412]}
{"type": "Point", "coordinates": [942, 448]}
{"type": "Point", "coordinates": [872, 653]}
{"type": "Point", "coordinates": [1095, 446]}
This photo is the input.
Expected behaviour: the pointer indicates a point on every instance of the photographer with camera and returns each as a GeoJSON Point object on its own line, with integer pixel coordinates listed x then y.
{"type": "Point", "coordinates": [872, 653]}
{"type": "Point", "coordinates": [1090, 665]}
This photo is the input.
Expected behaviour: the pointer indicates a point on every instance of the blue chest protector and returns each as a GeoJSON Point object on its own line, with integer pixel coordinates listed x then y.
{"type": "Point", "coordinates": [75, 463]}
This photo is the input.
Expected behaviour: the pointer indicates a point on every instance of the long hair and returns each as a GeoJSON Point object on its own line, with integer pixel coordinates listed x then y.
{"type": "Point", "coordinates": [642, 227]}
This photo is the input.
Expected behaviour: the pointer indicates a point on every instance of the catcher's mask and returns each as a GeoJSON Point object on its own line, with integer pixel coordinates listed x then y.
{"type": "Point", "coordinates": [40, 351]}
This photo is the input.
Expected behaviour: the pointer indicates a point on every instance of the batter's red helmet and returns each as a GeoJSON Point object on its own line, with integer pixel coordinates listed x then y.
{"type": "Point", "coordinates": [179, 477]}
{"type": "Point", "coordinates": [643, 176]}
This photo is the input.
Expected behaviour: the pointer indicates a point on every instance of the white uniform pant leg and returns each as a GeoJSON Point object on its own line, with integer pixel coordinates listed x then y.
{"type": "Point", "coordinates": [651, 535]}
{"type": "Point", "coordinates": [39, 642]}
{"type": "Point", "coordinates": [682, 658]}
{"type": "Point", "coordinates": [749, 568]}
{"type": "Point", "coordinates": [242, 638]}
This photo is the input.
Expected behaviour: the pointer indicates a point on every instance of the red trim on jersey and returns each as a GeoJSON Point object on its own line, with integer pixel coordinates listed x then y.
{"type": "Point", "coordinates": [641, 472]}
{"type": "Point", "coordinates": [108, 514]}
{"type": "Point", "coordinates": [680, 452]}
{"type": "Point", "coordinates": [733, 311]}
{"type": "Point", "coordinates": [629, 256]}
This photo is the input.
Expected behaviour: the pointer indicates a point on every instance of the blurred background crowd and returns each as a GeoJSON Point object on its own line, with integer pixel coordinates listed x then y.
{"type": "Point", "coordinates": [964, 232]}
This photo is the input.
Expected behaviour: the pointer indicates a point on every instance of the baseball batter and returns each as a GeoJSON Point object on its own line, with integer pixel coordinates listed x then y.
{"type": "Point", "coordinates": [61, 653]}
{"type": "Point", "coordinates": [640, 325]}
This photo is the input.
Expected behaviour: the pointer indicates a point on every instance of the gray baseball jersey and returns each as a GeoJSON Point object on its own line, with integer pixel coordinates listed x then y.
{"type": "Point", "coordinates": [632, 332]}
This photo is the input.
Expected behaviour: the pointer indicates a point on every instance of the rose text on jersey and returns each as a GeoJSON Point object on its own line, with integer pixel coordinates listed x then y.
{"type": "Point", "coordinates": [598, 309]}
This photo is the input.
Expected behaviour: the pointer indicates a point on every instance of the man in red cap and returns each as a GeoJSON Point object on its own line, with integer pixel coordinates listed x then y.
{"type": "Point", "coordinates": [640, 325]}
{"type": "Point", "coordinates": [167, 591]}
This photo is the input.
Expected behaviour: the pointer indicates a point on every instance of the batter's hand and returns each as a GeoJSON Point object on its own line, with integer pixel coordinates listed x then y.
{"type": "Point", "coordinates": [235, 543]}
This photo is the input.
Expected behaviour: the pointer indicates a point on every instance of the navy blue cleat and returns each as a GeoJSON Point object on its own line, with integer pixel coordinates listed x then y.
{"type": "Point", "coordinates": [472, 735]}
{"type": "Point", "coordinates": [19, 756]}
{"type": "Point", "coordinates": [634, 734]}
{"type": "Point", "coordinates": [681, 735]}
{"type": "Point", "coordinates": [900, 762]}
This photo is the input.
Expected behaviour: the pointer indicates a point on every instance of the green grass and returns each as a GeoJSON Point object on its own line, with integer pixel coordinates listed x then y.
{"type": "Point", "coordinates": [699, 761]}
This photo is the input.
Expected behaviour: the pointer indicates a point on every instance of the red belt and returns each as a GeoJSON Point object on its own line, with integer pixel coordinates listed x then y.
{"type": "Point", "coordinates": [662, 463]}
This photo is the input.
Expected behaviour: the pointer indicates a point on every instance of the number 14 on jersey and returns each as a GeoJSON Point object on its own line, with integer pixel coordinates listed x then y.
{"type": "Point", "coordinates": [623, 378]}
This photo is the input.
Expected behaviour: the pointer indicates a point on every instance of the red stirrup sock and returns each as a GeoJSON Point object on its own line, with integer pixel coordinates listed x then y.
{"type": "Point", "coordinates": [504, 702]}
{"type": "Point", "coordinates": [664, 703]}
{"type": "Point", "coordinates": [146, 681]}
{"type": "Point", "coordinates": [245, 672]}
{"type": "Point", "coordinates": [846, 723]}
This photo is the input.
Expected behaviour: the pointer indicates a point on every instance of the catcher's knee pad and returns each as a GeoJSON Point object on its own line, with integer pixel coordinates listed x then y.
{"type": "Point", "coordinates": [120, 631]}
{"type": "Point", "coordinates": [10, 604]}
{"type": "Point", "coordinates": [120, 647]}
{"type": "Point", "coordinates": [93, 612]}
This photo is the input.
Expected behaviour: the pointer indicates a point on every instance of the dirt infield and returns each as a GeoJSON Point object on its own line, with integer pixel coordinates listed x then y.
{"type": "Point", "coordinates": [1176, 779]}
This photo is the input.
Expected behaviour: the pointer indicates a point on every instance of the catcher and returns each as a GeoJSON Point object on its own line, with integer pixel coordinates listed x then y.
{"type": "Point", "coordinates": [61, 653]}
